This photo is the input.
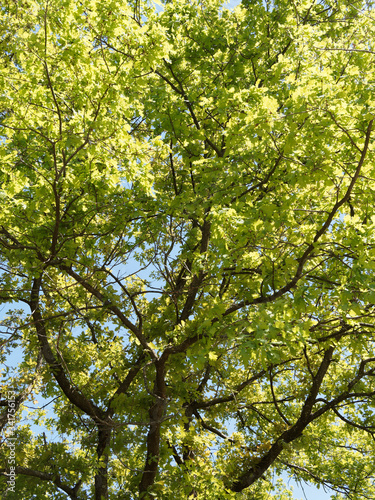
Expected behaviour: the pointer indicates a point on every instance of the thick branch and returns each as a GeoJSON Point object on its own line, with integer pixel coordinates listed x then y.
{"type": "Point", "coordinates": [71, 392]}
{"type": "Point", "coordinates": [156, 412]}
{"type": "Point", "coordinates": [102, 451]}
{"type": "Point", "coordinates": [294, 432]}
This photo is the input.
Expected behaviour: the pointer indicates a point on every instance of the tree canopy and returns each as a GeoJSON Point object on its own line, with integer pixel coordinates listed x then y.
{"type": "Point", "coordinates": [187, 248]}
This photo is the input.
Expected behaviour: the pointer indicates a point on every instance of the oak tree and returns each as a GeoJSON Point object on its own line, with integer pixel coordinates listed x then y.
{"type": "Point", "coordinates": [187, 248]}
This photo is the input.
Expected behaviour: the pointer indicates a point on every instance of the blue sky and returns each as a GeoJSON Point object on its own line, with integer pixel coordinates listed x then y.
{"type": "Point", "coordinates": [231, 4]}
{"type": "Point", "coordinates": [307, 492]}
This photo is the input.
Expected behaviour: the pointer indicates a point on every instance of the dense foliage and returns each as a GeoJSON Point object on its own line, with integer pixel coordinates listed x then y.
{"type": "Point", "coordinates": [187, 248]}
